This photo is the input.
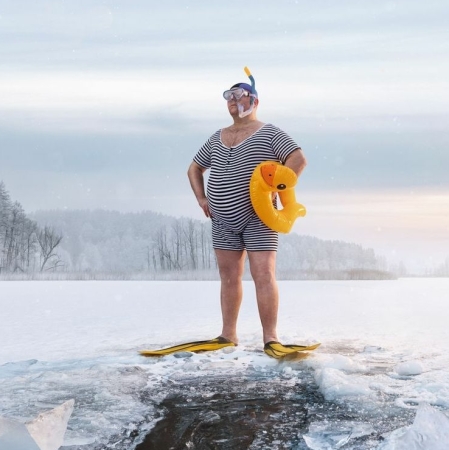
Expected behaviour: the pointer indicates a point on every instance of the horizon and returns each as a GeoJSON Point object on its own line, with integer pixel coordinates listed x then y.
{"type": "Point", "coordinates": [392, 259]}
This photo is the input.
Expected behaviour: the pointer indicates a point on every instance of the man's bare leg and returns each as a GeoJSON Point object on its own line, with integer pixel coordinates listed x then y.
{"type": "Point", "coordinates": [263, 271]}
{"type": "Point", "coordinates": [231, 266]}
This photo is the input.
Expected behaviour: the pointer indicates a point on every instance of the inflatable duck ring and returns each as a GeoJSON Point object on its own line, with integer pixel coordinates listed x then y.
{"type": "Point", "coordinates": [269, 177]}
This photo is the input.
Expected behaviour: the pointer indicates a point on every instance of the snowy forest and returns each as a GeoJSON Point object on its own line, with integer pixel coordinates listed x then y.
{"type": "Point", "coordinates": [24, 245]}
{"type": "Point", "coordinates": [109, 241]}
{"type": "Point", "coordinates": [156, 246]}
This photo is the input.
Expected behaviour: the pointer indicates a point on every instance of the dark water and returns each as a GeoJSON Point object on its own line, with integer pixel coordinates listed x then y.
{"type": "Point", "coordinates": [255, 411]}
{"type": "Point", "coordinates": [240, 408]}
{"type": "Point", "coordinates": [230, 413]}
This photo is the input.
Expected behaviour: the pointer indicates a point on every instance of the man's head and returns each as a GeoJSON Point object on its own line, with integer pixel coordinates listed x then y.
{"type": "Point", "coordinates": [242, 95]}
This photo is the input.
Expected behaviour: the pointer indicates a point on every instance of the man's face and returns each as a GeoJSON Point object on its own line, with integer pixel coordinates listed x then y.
{"type": "Point", "coordinates": [233, 105]}
{"type": "Point", "coordinates": [238, 96]}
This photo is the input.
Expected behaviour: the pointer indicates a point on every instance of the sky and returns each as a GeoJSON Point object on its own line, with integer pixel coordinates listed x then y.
{"type": "Point", "coordinates": [103, 104]}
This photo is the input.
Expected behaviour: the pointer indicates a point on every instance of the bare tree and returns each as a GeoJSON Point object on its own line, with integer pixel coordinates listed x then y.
{"type": "Point", "coordinates": [48, 239]}
{"type": "Point", "coordinates": [29, 242]}
{"type": "Point", "coordinates": [5, 210]}
{"type": "Point", "coordinates": [191, 243]}
{"type": "Point", "coordinates": [12, 242]}
{"type": "Point", "coordinates": [148, 260]}
{"type": "Point", "coordinates": [162, 249]}
{"type": "Point", "coordinates": [4, 213]}
{"type": "Point", "coordinates": [205, 243]}
{"type": "Point", "coordinates": [177, 234]}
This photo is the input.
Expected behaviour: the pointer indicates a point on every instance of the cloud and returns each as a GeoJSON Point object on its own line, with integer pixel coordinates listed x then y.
{"type": "Point", "coordinates": [96, 101]}
{"type": "Point", "coordinates": [395, 222]}
{"type": "Point", "coordinates": [87, 66]}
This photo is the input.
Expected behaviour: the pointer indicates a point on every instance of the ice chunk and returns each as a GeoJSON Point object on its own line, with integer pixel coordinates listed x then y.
{"type": "Point", "coordinates": [48, 428]}
{"type": "Point", "coordinates": [15, 436]}
{"type": "Point", "coordinates": [409, 368]}
{"type": "Point", "coordinates": [183, 355]}
{"type": "Point", "coordinates": [45, 432]}
{"type": "Point", "coordinates": [331, 436]}
{"type": "Point", "coordinates": [210, 417]}
{"type": "Point", "coordinates": [334, 383]}
{"type": "Point", "coordinates": [429, 431]}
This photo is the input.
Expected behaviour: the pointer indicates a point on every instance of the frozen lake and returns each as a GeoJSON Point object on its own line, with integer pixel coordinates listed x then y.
{"type": "Point", "coordinates": [385, 351]}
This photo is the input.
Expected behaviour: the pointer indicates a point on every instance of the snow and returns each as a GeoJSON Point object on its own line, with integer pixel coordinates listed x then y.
{"type": "Point", "coordinates": [385, 347]}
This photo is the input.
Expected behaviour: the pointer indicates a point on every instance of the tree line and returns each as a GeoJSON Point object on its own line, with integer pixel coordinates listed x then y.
{"type": "Point", "coordinates": [25, 246]}
{"type": "Point", "coordinates": [186, 245]}
{"type": "Point", "coordinates": [112, 242]}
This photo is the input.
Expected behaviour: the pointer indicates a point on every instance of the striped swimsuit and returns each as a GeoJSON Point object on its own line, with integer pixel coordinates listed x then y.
{"type": "Point", "coordinates": [228, 186]}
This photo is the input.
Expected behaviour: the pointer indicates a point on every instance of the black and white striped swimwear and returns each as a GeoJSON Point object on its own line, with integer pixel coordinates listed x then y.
{"type": "Point", "coordinates": [228, 184]}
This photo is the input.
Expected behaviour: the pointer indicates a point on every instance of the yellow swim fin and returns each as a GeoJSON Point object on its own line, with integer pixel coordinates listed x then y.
{"type": "Point", "coordinates": [196, 346]}
{"type": "Point", "coordinates": [277, 350]}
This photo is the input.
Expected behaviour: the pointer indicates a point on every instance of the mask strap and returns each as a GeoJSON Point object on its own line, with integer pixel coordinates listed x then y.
{"type": "Point", "coordinates": [243, 113]}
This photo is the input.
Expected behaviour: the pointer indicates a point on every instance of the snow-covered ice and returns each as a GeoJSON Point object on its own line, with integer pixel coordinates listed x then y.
{"type": "Point", "coordinates": [385, 350]}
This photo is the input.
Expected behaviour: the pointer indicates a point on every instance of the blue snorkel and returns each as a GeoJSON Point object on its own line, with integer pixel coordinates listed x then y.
{"type": "Point", "coordinates": [253, 84]}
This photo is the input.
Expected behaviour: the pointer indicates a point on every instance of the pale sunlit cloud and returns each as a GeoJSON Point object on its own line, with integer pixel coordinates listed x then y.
{"type": "Point", "coordinates": [408, 225]}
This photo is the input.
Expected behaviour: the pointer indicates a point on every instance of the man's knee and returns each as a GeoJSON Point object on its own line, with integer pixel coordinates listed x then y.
{"type": "Point", "coordinates": [230, 265]}
{"type": "Point", "coordinates": [230, 273]}
{"type": "Point", "coordinates": [263, 266]}
{"type": "Point", "coordinates": [263, 275]}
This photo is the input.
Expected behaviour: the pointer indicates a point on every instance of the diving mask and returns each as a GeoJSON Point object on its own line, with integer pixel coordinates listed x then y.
{"type": "Point", "coordinates": [236, 94]}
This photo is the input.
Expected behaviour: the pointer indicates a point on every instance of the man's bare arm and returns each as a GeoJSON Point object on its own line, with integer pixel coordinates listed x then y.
{"type": "Point", "coordinates": [196, 178]}
{"type": "Point", "coordinates": [296, 161]}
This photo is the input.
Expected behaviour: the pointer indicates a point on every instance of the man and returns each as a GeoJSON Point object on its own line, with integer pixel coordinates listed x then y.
{"type": "Point", "coordinates": [231, 154]}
